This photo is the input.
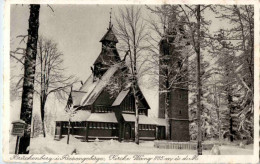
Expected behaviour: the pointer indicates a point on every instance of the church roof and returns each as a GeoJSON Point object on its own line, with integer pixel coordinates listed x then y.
{"type": "Point", "coordinates": [76, 97]}
{"type": "Point", "coordinates": [95, 88]}
{"type": "Point", "coordinates": [109, 36]}
{"type": "Point", "coordinates": [160, 121]}
{"type": "Point", "coordinates": [142, 119]}
{"type": "Point", "coordinates": [80, 115]}
{"type": "Point", "coordinates": [108, 56]}
{"type": "Point", "coordinates": [120, 97]}
{"type": "Point", "coordinates": [103, 117]}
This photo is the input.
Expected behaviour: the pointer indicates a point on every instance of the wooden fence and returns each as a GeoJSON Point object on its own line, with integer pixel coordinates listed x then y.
{"type": "Point", "coordinates": [181, 145]}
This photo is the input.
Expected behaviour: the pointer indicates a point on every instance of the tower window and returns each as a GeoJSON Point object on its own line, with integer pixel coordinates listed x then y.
{"type": "Point", "coordinates": [179, 112]}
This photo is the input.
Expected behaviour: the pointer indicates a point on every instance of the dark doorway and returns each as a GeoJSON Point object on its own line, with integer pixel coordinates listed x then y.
{"type": "Point", "coordinates": [127, 132]}
{"type": "Point", "coordinates": [161, 133]}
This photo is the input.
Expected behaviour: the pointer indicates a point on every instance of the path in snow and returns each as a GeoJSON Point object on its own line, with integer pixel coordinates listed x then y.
{"type": "Point", "coordinates": [48, 145]}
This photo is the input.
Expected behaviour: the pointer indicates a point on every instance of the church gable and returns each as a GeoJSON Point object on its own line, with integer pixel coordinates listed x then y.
{"type": "Point", "coordinates": [125, 100]}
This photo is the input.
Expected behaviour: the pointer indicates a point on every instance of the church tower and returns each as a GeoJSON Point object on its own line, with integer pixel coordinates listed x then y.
{"type": "Point", "coordinates": [109, 54]}
{"type": "Point", "coordinates": [171, 63]}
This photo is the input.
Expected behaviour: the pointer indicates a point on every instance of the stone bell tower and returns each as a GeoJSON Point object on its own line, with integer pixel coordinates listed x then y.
{"type": "Point", "coordinates": [178, 95]}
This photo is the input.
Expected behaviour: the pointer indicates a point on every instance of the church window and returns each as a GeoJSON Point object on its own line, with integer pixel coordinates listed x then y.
{"type": "Point", "coordinates": [153, 128]}
{"type": "Point", "coordinates": [105, 126]}
{"type": "Point", "coordinates": [150, 127]}
{"type": "Point", "coordinates": [98, 125]}
{"type": "Point", "coordinates": [109, 126]}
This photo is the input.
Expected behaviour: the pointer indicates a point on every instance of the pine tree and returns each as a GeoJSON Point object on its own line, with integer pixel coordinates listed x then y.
{"type": "Point", "coordinates": [234, 47]}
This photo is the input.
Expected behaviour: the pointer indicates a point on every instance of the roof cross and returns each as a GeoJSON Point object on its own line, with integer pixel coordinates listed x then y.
{"type": "Point", "coordinates": [110, 24]}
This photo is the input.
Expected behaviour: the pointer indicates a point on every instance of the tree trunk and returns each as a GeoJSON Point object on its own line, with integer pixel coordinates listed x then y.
{"type": "Point", "coordinates": [217, 102]}
{"type": "Point", "coordinates": [230, 106]}
{"type": "Point", "coordinates": [167, 115]}
{"type": "Point", "coordinates": [136, 114]}
{"type": "Point", "coordinates": [43, 102]}
{"type": "Point", "coordinates": [29, 73]}
{"type": "Point", "coordinates": [197, 48]}
{"type": "Point", "coordinates": [219, 126]}
{"type": "Point", "coordinates": [43, 129]}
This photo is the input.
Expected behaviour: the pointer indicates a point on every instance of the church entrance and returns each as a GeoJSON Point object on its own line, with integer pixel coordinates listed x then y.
{"type": "Point", "coordinates": [127, 131]}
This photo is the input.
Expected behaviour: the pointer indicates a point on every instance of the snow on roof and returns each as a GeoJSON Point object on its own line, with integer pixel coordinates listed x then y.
{"type": "Point", "coordinates": [18, 121]}
{"type": "Point", "coordinates": [120, 97]}
{"type": "Point", "coordinates": [77, 96]}
{"type": "Point", "coordinates": [160, 121]}
{"type": "Point", "coordinates": [90, 97]}
{"type": "Point", "coordinates": [142, 119]}
{"type": "Point", "coordinates": [80, 115]}
{"type": "Point", "coordinates": [62, 116]}
{"type": "Point", "coordinates": [102, 117]}
{"type": "Point", "coordinates": [89, 88]}
{"type": "Point", "coordinates": [85, 86]}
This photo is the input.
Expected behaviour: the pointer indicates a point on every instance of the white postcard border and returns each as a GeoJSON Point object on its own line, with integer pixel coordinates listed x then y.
{"type": "Point", "coordinates": [201, 159]}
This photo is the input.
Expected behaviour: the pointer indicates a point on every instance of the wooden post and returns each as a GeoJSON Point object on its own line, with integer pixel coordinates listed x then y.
{"type": "Point", "coordinates": [17, 145]}
{"type": "Point", "coordinates": [123, 135]}
{"type": "Point", "coordinates": [120, 132]}
{"type": "Point", "coordinates": [86, 132]}
{"type": "Point", "coordinates": [60, 136]}
{"type": "Point", "coordinates": [156, 132]}
{"type": "Point", "coordinates": [68, 139]}
{"type": "Point", "coordinates": [72, 128]}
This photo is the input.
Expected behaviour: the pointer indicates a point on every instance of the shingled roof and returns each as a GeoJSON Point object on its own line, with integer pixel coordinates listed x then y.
{"type": "Point", "coordinates": [108, 56]}
{"type": "Point", "coordinates": [109, 36]}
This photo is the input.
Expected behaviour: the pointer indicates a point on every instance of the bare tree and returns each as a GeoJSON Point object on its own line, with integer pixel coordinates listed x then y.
{"type": "Point", "coordinates": [51, 76]}
{"type": "Point", "coordinates": [130, 29]}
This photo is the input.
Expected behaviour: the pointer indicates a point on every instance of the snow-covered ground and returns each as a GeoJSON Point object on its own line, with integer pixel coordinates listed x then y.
{"type": "Point", "coordinates": [48, 145]}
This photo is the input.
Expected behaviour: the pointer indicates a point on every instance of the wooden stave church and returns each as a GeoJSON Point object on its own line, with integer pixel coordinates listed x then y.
{"type": "Point", "coordinates": [98, 115]}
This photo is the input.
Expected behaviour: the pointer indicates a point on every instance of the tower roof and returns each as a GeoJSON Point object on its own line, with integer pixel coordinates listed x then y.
{"type": "Point", "coordinates": [109, 36]}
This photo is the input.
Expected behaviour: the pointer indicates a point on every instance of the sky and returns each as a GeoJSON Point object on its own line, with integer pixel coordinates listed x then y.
{"type": "Point", "coordinates": [77, 29]}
